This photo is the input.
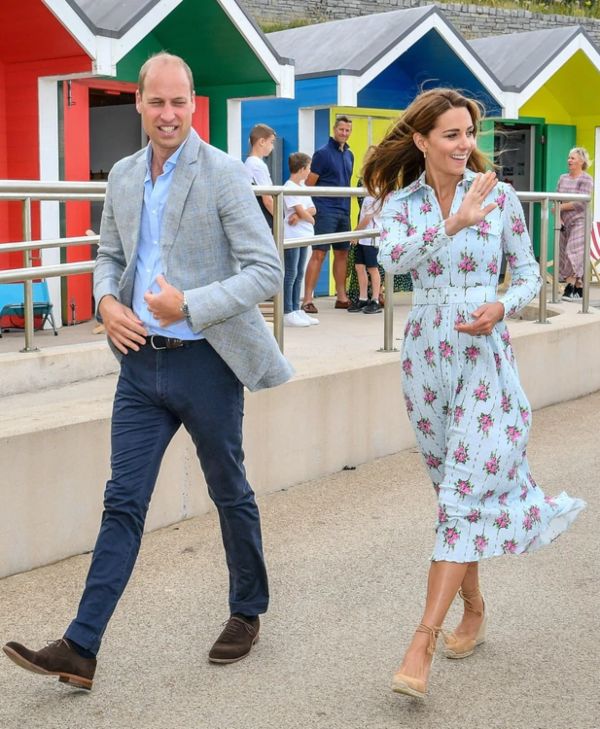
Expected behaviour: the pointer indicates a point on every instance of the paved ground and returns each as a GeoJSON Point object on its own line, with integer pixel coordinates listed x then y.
{"type": "Point", "coordinates": [348, 560]}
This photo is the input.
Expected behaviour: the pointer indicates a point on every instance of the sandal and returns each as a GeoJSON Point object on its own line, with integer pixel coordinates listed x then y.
{"type": "Point", "coordinates": [310, 308]}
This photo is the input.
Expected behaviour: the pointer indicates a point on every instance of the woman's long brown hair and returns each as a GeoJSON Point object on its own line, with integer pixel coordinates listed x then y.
{"type": "Point", "coordinates": [396, 161]}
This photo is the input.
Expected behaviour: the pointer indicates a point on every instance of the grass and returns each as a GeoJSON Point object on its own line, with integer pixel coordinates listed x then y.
{"type": "Point", "coordinates": [575, 8]}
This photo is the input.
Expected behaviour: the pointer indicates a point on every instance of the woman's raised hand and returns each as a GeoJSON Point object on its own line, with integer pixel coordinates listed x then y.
{"type": "Point", "coordinates": [470, 211]}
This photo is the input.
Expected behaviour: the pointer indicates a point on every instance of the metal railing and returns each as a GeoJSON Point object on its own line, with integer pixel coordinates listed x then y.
{"type": "Point", "coordinates": [28, 191]}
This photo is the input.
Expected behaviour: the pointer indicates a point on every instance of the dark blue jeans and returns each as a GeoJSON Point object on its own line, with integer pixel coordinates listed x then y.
{"type": "Point", "coordinates": [294, 258]}
{"type": "Point", "coordinates": [156, 392]}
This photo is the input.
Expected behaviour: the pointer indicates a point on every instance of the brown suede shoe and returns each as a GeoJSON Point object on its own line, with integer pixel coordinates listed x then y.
{"type": "Point", "coordinates": [56, 659]}
{"type": "Point", "coordinates": [341, 304]}
{"type": "Point", "coordinates": [236, 640]}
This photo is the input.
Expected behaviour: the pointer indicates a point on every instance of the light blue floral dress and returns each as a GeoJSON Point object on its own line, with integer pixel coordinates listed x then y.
{"type": "Point", "coordinates": [463, 395]}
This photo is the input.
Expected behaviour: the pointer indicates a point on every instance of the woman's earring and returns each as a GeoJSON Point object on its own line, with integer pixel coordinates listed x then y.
{"type": "Point", "coordinates": [424, 154]}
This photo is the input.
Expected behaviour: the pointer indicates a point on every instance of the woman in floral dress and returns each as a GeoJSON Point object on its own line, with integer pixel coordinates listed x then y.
{"type": "Point", "coordinates": [448, 222]}
{"type": "Point", "coordinates": [572, 218]}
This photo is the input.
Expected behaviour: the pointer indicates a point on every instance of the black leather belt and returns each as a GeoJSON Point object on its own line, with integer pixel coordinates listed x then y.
{"type": "Point", "coordinates": [157, 342]}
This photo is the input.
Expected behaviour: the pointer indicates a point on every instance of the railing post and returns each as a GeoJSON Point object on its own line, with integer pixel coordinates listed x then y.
{"type": "Point", "coordinates": [388, 314]}
{"type": "Point", "coordinates": [28, 284]}
{"type": "Point", "coordinates": [587, 266]}
{"type": "Point", "coordinates": [556, 254]}
{"type": "Point", "coordinates": [543, 262]}
{"type": "Point", "coordinates": [278, 298]}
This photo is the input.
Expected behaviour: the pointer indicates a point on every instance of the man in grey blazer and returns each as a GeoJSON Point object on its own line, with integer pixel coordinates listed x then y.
{"type": "Point", "coordinates": [185, 256]}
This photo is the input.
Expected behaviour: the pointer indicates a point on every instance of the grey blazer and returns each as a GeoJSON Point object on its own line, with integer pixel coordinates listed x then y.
{"type": "Point", "coordinates": [215, 246]}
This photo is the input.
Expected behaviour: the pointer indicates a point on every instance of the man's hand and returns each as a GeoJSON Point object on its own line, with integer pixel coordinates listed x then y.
{"type": "Point", "coordinates": [166, 305]}
{"type": "Point", "coordinates": [293, 219]}
{"type": "Point", "coordinates": [485, 318]}
{"type": "Point", "coordinates": [123, 327]}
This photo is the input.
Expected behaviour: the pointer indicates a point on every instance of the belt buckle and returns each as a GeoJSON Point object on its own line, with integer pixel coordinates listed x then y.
{"type": "Point", "coordinates": [158, 349]}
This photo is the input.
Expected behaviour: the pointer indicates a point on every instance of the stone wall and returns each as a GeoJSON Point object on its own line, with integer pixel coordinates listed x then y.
{"type": "Point", "coordinates": [473, 21]}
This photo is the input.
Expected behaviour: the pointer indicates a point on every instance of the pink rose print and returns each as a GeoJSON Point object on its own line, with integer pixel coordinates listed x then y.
{"type": "Point", "coordinates": [384, 234]}
{"type": "Point", "coordinates": [433, 461]}
{"type": "Point", "coordinates": [530, 478]}
{"type": "Point", "coordinates": [424, 425]}
{"type": "Point", "coordinates": [551, 501]}
{"type": "Point", "coordinates": [464, 487]}
{"type": "Point", "coordinates": [446, 349]}
{"type": "Point", "coordinates": [437, 319]}
{"type": "Point", "coordinates": [467, 263]}
{"type": "Point", "coordinates": [502, 521]}
{"type": "Point", "coordinates": [416, 330]}
{"type": "Point", "coordinates": [483, 230]}
{"type": "Point", "coordinates": [501, 200]}
{"type": "Point", "coordinates": [429, 395]}
{"type": "Point", "coordinates": [430, 356]}
{"type": "Point", "coordinates": [397, 251]}
{"type": "Point", "coordinates": [401, 218]}
{"type": "Point", "coordinates": [513, 472]}
{"type": "Point", "coordinates": [461, 453]}
{"type": "Point", "coordinates": [518, 225]}
{"type": "Point", "coordinates": [474, 516]}
{"type": "Point", "coordinates": [430, 234]}
{"type": "Point", "coordinates": [513, 433]}
{"type": "Point", "coordinates": [492, 267]}
{"type": "Point", "coordinates": [527, 523]}
{"type": "Point", "coordinates": [415, 274]}
{"type": "Point", "coordinates": [497, 361]}
{"type": "Point", "coordinates": [524, 415]}
{"type": "Point", "coordinates": [425, 206]}
{"type": "Point", "coordinates": [512, 259]}
{"type": "Point", "coordinates": [406, 329]}
{"type": "Point", "coordinates": [471, 353]}
{"type": "Point", "coordinates": [460, 383]}
{"type": "Point", "coordinates": [407, 367]}
{"type": "Point", "coordinates": [509, 546]}
{"type": "Point", "coordinates": [524, 492]}
{"type": "Point", "coordinates": [435, 268]}
{"type": "Point", "coordinates": [436, 488]}
{"type": "Point", "coordinates": [502, 498]}
{"type": "Point", "coordinates": [442, 515]}
{"type": "Point", "coordinates": [409, 404]}
{"type": "Point", "coordinates": [492, 465]}
{"type": "Point", "coordinates": [451, 536]}
{"type": "Point", "coordinates": [480, 542]}
{"type": "Point", "coordinates": [459, 318]}
{"type": "Point", "coordinates": [459, 412]}
{"type": "Point", "coordinates": [535, 513]}
{"type": "Point", "coordinates": [505, 337]}
{"type": "Point", "coordinates": [506, 403]}
{"type": "Point", "coordinates": [410, 229]}
{"type": "Point", "coordinates": [488, 495]}
{"type": "Point", "coordinates": [485, 422]}
{"type": "Point", "coordinates": [482, 392]}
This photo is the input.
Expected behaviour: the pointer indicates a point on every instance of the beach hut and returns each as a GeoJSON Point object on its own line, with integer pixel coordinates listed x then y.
{"type": "Point", "coordinates": [369, 68]}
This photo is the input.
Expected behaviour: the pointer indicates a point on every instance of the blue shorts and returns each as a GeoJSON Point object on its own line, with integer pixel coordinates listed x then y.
{"type": "Point", "coordinates": [366, 256]}
{"type": "Point", "coordinates": [332, 221]}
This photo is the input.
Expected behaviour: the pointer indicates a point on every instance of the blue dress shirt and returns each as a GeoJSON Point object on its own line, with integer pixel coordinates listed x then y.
{"type": "Point", "coordinates": [149, 264]}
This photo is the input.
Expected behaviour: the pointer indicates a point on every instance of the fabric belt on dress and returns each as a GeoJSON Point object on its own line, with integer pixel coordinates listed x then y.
{"type": "Point", "coordinates": [156, 341]}
{"type": "Point", "coordinates": [454, 295]}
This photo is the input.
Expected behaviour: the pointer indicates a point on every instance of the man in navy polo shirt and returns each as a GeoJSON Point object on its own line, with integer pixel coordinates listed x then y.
{"type": "Point", "coordinates": [331, 167]}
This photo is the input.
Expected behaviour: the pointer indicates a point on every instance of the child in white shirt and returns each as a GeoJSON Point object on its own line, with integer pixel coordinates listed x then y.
{"type": "Point", "coordinates": [365, 261]}
{"type": "Point", "coordinates": [299, 212]}
{"type": "Point", "coordinates": [262, 138]}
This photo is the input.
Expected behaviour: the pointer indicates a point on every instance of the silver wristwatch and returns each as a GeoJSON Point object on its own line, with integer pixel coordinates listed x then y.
{"type": "Point", "coordinates": [185, 310]}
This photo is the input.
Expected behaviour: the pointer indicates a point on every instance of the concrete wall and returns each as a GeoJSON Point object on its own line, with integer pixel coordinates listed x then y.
{"type": "Point", "coordinates": [54, 452]}
{"type": "Point", "coordinates": [473, 21]}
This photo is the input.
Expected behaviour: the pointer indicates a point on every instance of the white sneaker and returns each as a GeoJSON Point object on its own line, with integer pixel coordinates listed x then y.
{"type": "Point", "coordinates": [305, 317]}
{"type": "Point", "coordinates": [291, 320]}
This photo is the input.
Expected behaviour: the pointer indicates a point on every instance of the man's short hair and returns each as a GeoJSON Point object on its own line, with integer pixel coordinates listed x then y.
{"type": "Point", "coordinates": [260, 131]}
{"type": "Point", "coordinates": [164, 56]}
{"type": "Point", "coordinates": [297, 161]}
{"type": "Point", "coordinates": [342, 119]}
